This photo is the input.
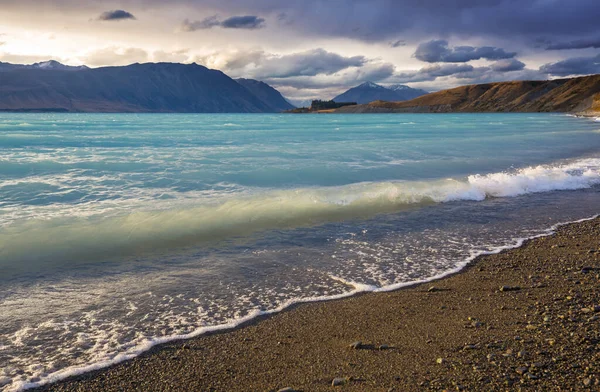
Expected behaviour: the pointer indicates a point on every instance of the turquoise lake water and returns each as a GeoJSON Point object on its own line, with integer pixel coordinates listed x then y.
{"type": "Point", "coordinates": [118, 232]}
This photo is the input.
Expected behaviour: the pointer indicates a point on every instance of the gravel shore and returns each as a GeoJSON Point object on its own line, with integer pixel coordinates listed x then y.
{"type": "Point", "coordinates": [524, 319]}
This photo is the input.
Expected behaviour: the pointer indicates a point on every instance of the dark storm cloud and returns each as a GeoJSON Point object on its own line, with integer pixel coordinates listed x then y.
{"type": "Point", "coordinates": [576, 44]}
{"type": "Point", "coordinates": [573, 66]}
{"type": "Point", "coordinates": [249, 22]}
{"type": "Point", "coordinates": [383, 20]}
{"type": "Point", "coordinates": [438, 51]}
{"type": "Point", "coordinates": [116, 15]}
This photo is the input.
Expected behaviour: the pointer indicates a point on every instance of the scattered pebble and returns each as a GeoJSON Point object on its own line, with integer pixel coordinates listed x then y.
{"type": "Point", "coordinates": [338, 381]}
{"type": "Point", "coordinates": [521, 370]}
{"type": "Point", "coordinates": [587, 382]}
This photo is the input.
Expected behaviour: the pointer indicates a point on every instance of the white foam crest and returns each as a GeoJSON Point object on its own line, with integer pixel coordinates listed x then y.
{"type": "Point", "coordinates": [19, 385]}
{"type": "Point", "coordinates": [578, 175]}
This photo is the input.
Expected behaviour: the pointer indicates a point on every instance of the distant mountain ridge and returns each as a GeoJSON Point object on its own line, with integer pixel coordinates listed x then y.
{"type": "Point", "coordinates": [45, 65]}
{"type": "Point", "coordinates": [150, 87]}
{"type": "Point", "coordinates": [369, 92]}
{"type": "Point", "coordinates": [266, 94]}
{"type": "Point", "coordinates": [578, 95]}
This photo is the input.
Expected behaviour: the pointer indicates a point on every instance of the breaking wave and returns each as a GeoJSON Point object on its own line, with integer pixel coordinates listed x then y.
{"type": "Point", "coordinates": [70, 239]}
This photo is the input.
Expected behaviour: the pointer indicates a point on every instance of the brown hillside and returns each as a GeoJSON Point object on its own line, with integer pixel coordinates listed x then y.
{"type": "Point", "coordinates": [562, 95]}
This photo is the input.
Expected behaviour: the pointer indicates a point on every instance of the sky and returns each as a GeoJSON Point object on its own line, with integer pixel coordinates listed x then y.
{"type": "Point", "coordinates": [316, 48]}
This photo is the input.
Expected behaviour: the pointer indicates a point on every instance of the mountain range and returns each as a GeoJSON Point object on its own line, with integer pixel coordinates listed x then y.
{"type": "Point", "coordinates": [578, 95]}
{"type": "Point", "coordinates": [369, 92]}
{"type": "Point", "coordinates": [151, 87]}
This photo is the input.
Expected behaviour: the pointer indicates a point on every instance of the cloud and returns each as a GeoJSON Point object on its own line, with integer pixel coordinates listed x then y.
{"type": "Point", "coordinates": [248, 22]}
{"type": "Point", "coordinates": [243, 22]}
{"type": "Point", "coordinates": [397, 44]}
{"type": "Point", "coordinates": [577, 44]}
{"type": "Point", "coordinates": [518, 21]}
{"type": "Point", "coordinates": [573, 66]}
{"type": "Point", "coordinates": [438, 51]}
{"type": "Point", "coordinates": [343, 79]}
{"type": "Point", "coordinates": [113, 55]}
{"type": "Point", "coordinates": [206, 23]}
{"type": "Point", "coordinates": [259, 64]}
{"type": "Point", "coordinates": [507, 65]}
{"type": "Point", "coordinates": [175, 56]}
{"type": "Point", "coordinates": [433, 72]}
{"type": "Point", "coordinates": [466, 73]}
{"type": "Point", "coordinates": [25, 59]}
{"type": "Point", "coordinates": [116, 15]}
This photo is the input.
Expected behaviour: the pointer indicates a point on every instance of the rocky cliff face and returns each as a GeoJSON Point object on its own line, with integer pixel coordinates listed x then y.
{"type": "Point", "coordinates": [562, 95]}
{"type": "Point", "coordinates": [160, 87]}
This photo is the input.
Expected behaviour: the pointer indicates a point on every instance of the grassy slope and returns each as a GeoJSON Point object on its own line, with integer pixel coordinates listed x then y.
{"type": "Point", "coordinates": [562, 95]}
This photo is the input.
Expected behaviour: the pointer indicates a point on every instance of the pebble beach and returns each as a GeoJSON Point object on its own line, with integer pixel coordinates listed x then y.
{"type": "Point", "coordinates": [523, 319]}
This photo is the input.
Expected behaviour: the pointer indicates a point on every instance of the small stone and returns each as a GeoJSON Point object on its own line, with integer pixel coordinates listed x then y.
{"type": "Point", "coordinates": [522, 354]}
{"type": "Point", "coordinates": [336, 382]}
{"type": "Point", "coordinates": [356, 345]}
{"type": "Point", "coordinates": [510, 288]}
{"type": "Point", "coordinates": [471, 347]}
{"type": "Point", "coordinates": [432, 289]}
{"type": "Point", "coordinates": [476, 324]}
{"type": "Point", "coordinates": [4, 381]}
{"type": "Point", "coordinates": [440, 361]}
{"type": "Point", "coordinates": [491, 357]}
{"type": "Point", "coordinates": [287, 389]}
{"type": "Point", "coordinates": [531, 327]}
{"type": "Point", "coordinates": [521, 370]}
{"type": "Point", "coordinates": [384, 347]}
{"type": "Point", "coordinates": [587, 382]}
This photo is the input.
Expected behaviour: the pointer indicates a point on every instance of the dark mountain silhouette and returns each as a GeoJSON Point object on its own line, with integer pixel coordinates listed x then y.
{"type": "Point", "coordinates": [151, 87]}
{"type": "Point", "coordinates": [267, 94]}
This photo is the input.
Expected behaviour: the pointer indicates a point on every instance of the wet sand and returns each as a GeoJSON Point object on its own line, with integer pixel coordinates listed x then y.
{"type": "Point", "coordinates": [527, 319]}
